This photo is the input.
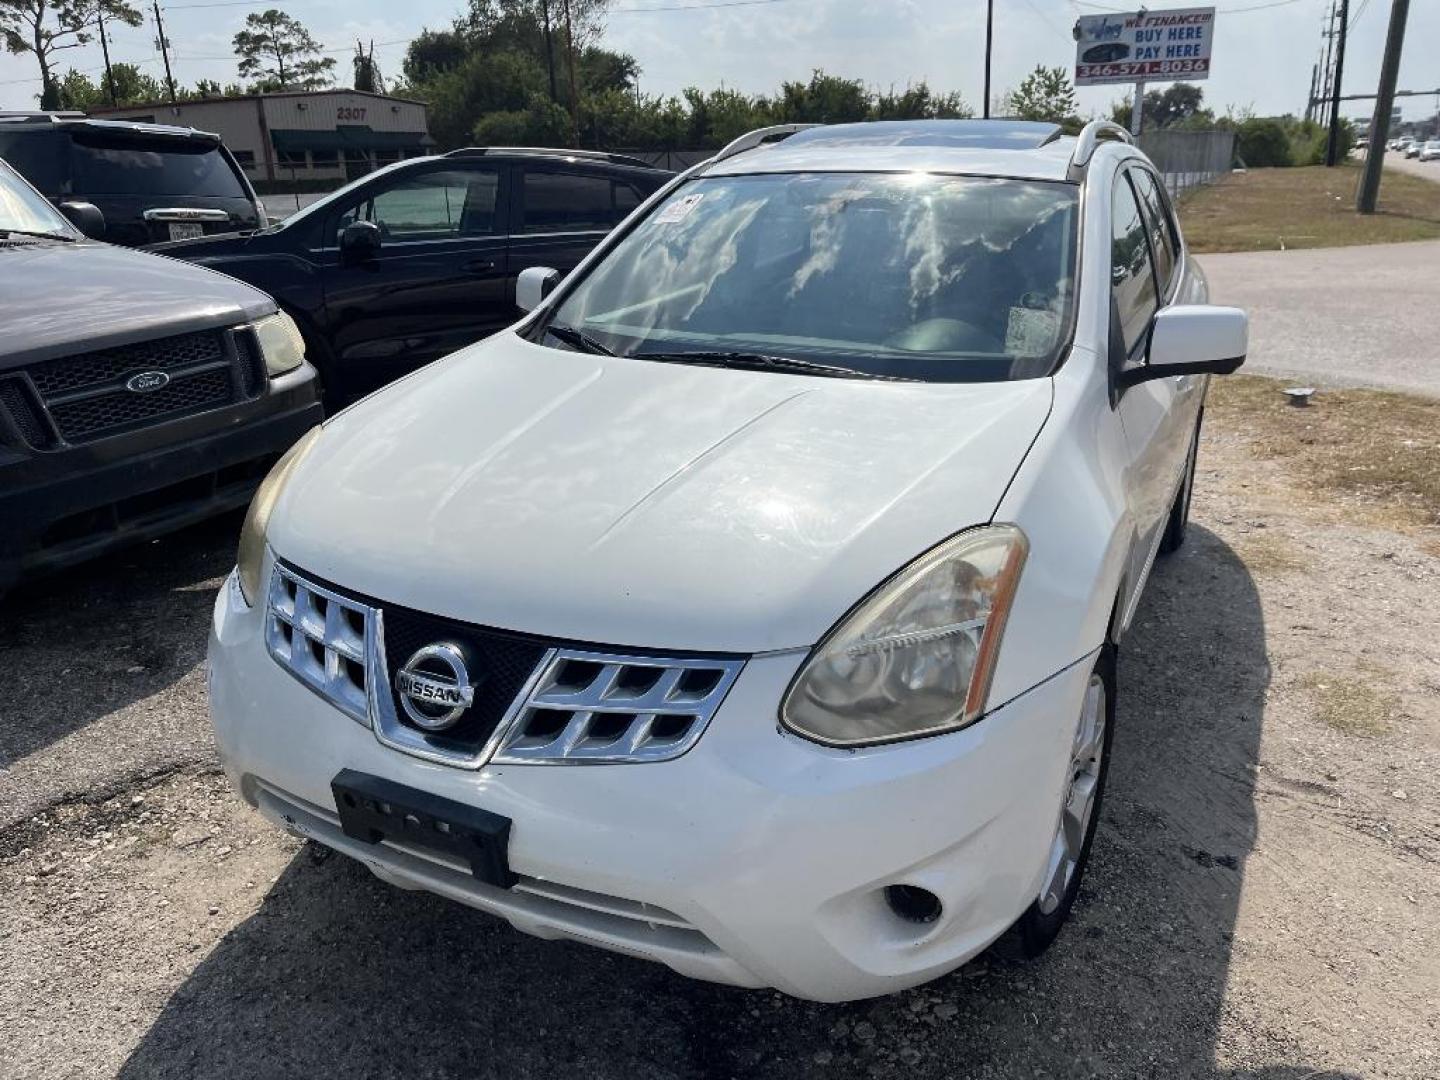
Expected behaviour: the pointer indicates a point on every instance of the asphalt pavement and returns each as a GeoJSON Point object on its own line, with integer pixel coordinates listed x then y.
{"type": "Point", "coordinates": [1339, 316]}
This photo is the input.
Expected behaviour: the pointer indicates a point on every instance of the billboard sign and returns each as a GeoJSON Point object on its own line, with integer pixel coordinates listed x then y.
{"type": "Point", "coordinates": [1144, 46]}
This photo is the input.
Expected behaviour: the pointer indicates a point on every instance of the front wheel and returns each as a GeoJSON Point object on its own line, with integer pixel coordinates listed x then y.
{"type": "Point", "coordinates": [1079, 814]}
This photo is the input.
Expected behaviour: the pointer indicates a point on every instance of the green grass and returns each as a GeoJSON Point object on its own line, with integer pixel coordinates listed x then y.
{"type": "Point", "coordinates": [1270, 209]}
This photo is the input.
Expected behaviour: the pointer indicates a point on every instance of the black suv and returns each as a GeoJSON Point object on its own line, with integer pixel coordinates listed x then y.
{"type": "Point", "coordinates": [137, 393]}
{"type": "Point", "coordinates": [151, 182]}
{"type": "Point", "coordinates": [420, 258]}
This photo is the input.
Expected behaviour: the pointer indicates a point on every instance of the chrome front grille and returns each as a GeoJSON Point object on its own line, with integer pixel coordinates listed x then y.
{"type": "Point", "coordinates": [556, 704]}
{"type": "Point", "coordinates": [599, 707]}
{"type": "Point", "coordinates": [323, 639]}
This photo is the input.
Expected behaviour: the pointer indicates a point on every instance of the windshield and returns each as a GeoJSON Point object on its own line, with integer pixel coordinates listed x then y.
{"type": "Point", "coordinates": [153, 167]}
{"type": "Point", "coordinates": [23, 210]}
{"type": "Point", "coordinates": [918, 276]}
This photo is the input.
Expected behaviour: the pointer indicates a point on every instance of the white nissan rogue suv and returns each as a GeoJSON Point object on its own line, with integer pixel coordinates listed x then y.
{"type": "Point", "coordinates": [752, 604]}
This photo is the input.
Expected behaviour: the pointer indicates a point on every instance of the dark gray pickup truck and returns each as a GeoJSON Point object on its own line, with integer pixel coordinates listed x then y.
{"type": "Point", "coordinates": [137, 393]}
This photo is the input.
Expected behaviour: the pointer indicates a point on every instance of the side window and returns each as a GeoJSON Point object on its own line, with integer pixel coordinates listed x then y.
{"type": "Point", "coordinates": [627, 198]}
{"type": "Point", "coordinates": [1161, 228]}
{"type": "Point", "coordinates": [567, 202]}
{"type": "Point", "coordinates": [436, 206]}
{"type": "Point", "coordinates": [1132, 281]}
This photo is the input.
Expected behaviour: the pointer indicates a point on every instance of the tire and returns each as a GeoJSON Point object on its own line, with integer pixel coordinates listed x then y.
{"type": "Point", "coordinates": [1179, 521]}
{"type": "Point", "coordinates": [1036, 930]}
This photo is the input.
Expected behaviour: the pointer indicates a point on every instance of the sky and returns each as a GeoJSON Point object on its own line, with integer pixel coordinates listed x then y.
{"type": "Point", "coordinates": [1263, 49]}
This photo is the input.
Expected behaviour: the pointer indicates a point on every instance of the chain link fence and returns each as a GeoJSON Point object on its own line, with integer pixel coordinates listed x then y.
{"type": "Point", "coordinates": [1187, 159]}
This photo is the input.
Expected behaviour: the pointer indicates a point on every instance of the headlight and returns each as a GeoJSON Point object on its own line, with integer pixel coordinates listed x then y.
{"type": "Point", "coordinates": [280, 343]}
{"type": "Point", "coordinates": [916, 656]}
{"type": "Point", "coordinates": [257, 518]}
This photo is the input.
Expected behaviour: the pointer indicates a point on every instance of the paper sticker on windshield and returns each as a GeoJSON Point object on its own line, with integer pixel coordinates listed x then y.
{"type": "Point", "coordinates": [678, 210]}
{"type": "Point", "coordinates": [1031, 331]}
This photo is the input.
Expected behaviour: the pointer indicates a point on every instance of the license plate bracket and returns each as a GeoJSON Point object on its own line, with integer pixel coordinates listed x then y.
{"type": "Point", "coordinates": [372, 809]}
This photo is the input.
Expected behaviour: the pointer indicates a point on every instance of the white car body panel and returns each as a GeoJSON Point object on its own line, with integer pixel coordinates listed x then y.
{"type": "Point", "coordinates": [640, 493]}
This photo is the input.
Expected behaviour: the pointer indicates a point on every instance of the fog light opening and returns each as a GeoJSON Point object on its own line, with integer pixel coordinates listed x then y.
{"type": "Point", "coordinates": [913, 904]}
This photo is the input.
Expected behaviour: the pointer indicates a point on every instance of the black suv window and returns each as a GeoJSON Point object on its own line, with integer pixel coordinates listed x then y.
{"type": "Point", "coordinates": [1132, 279]}
{"type": "Point", "coordinates": [442, 205]}
{"type": "Point", "coordinates": [1162, 232]}
{"type": "Point", "coordinates": [568, 202]}
{"type": "Point", "coordinates": [129, 166]}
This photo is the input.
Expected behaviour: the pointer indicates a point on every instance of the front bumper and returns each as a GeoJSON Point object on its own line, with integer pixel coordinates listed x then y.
{"type": "Point", "coordinates": [756, 859]}
{"type": "Point", "coordinates": [63, 507]}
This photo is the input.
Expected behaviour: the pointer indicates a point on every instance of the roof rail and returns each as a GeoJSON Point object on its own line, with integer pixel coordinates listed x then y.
{"type": "Point", "coordinates": [1091, 135]}
{"type": "Point", "coordinates": [752, 139]}
{"type": "Point", "coordinates": [553, 151]}
{"type": "Point", "coordinates": [41, 114]}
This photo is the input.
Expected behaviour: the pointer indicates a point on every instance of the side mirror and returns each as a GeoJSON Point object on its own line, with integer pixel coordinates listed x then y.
{"type": "Point", "coordinates": [86, 217]}
{"type": "Point", "coordinates": [533, 285]}
{"type": "Point", "coordinates": [1193, 339]}
{"type": "Point", "coordinates": [359, 241]}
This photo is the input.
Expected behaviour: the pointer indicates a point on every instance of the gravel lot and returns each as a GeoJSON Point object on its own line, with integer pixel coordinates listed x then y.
{"type": "Point", "coordinates": [1261, 903]}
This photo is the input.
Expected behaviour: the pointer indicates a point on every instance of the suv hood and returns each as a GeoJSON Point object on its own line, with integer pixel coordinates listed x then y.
{"type": "Point", "coordinates": [641, 504]}
{"type": "Point", "coordinates": [64, 298]}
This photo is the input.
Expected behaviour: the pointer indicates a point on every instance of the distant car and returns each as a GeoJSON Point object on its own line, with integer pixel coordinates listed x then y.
{"type": "Point", "coordinates": [1412, 149]}
{"type": "Point", "coordinates": [419, 259]}
{"type": "Point", "coordinates": [1430, 151]}
{"type": "Point", "coordinates": [151, 181]}
{"type": "Point", "coordinates": [137, 394]}
{"type": "Point", "coordinates": [1105, 54]}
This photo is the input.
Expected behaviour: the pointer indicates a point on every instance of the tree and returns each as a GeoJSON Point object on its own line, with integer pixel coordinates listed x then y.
{"type": "Point", "coordinates": [278, 52]}
{"type": "Point", "coordinates": [132, 87]}
{"type": "Point", "coordinates": [1044, 94]}
{"type": "Point", "coordinates": [367, 72]}
{"type": "Point", "coordinates": [1178, 105]}
{"type": "Point", "coordinates": [825, 99]}
{"type": "Point", "coordinates": [45, 27]}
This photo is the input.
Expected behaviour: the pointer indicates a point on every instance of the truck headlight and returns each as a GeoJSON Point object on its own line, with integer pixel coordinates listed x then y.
{"type": "Point", "coordinates": [280, 343]}
{"type": "Point", "coordinates": [915, 657]}
{"type": "Point", "coordinates": [257, 519]}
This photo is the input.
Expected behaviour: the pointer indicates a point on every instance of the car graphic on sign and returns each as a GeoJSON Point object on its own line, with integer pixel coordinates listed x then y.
{"type": "Point", "coordinates": [1105, 54]}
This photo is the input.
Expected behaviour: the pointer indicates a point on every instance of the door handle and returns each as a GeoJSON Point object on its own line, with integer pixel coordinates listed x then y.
{"type": "Point", "coordinates": [479, 266]}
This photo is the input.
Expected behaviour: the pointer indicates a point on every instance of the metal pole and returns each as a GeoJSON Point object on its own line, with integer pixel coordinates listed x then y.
{"type": "Point", "coordinates": [105, 52]}
{"type": "Point", "coordinates": [1137, 109]}
{"type": "Point", "coordinates": [1325, 68]}
{"type": "Point", "coordinates": [1384, 102]}
{"type": "Point", "coordinates": [989, 37]}
{"type": "Point", "coordinates": [1332, 148]}
{"type": "Point", "coordinates": [165, 52]}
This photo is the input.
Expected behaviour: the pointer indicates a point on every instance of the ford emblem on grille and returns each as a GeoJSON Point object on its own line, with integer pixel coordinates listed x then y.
{"type": "Point", "coordinates": [146, 381]}
{"type": "Point", "coordinates": [435, 687]}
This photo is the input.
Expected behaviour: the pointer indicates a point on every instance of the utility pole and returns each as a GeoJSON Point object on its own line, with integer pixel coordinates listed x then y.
{"type": "Point", "coordinates": [549, 48]}
{"type": "Point", "coordinates": [574, 82]}
{"type": "Point", "coordinates": [1310, 101]}
{"type": "Point", "coordinates": [105, 52]}
{"type": "Point", "coordinates": [1384, 102]}
{"type": "Point", "coordinates": [163, 44]}
{"type": "Point", "coordinates": [989, 38]}
{"type": "Point", "coordinates": [1332, 148]}
{"type": "Point", "coordinates": [1329, 35]}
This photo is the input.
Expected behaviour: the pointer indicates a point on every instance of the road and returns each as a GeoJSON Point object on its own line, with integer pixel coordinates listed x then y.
{"type": "Point", "coordinates": [1430, 170]}
{"type": "Point", "coordinates": [1339, 316]}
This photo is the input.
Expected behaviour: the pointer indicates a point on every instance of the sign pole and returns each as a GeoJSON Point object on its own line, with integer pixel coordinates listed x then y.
{"type": "Point", "coordinates": [1137, 109]}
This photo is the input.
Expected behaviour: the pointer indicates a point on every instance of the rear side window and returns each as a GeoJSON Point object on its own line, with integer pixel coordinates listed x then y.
{"type": "Point", "coordinates": [569, 202]}
{"type": "Point", "coordinates": [1132, 279]}
{"type": "Point", "coordinates": [157, 167]}
{"type": "Point", "coordinates": [1162, 235]}
{"type": "Point", "coordinates": [39, 157]}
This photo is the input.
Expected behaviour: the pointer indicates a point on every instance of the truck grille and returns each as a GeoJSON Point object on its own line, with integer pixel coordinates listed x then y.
{"type": "Point", "coordinates": [85, 396]}
{"type": "Point", "coordinates": [535, 700]}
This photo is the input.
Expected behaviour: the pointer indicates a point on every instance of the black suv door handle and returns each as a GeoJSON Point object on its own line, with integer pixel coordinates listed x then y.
{"type": "Point", "coordinates": [479, 266]}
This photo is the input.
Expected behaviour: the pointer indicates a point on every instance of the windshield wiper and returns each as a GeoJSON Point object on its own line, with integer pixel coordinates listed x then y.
{"type": "Point", "coordinates": [577, 339]}
{"type": "Point", "coordinates": [754, 361]}
{"type": "Point", "coordinates": [5, 234]}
